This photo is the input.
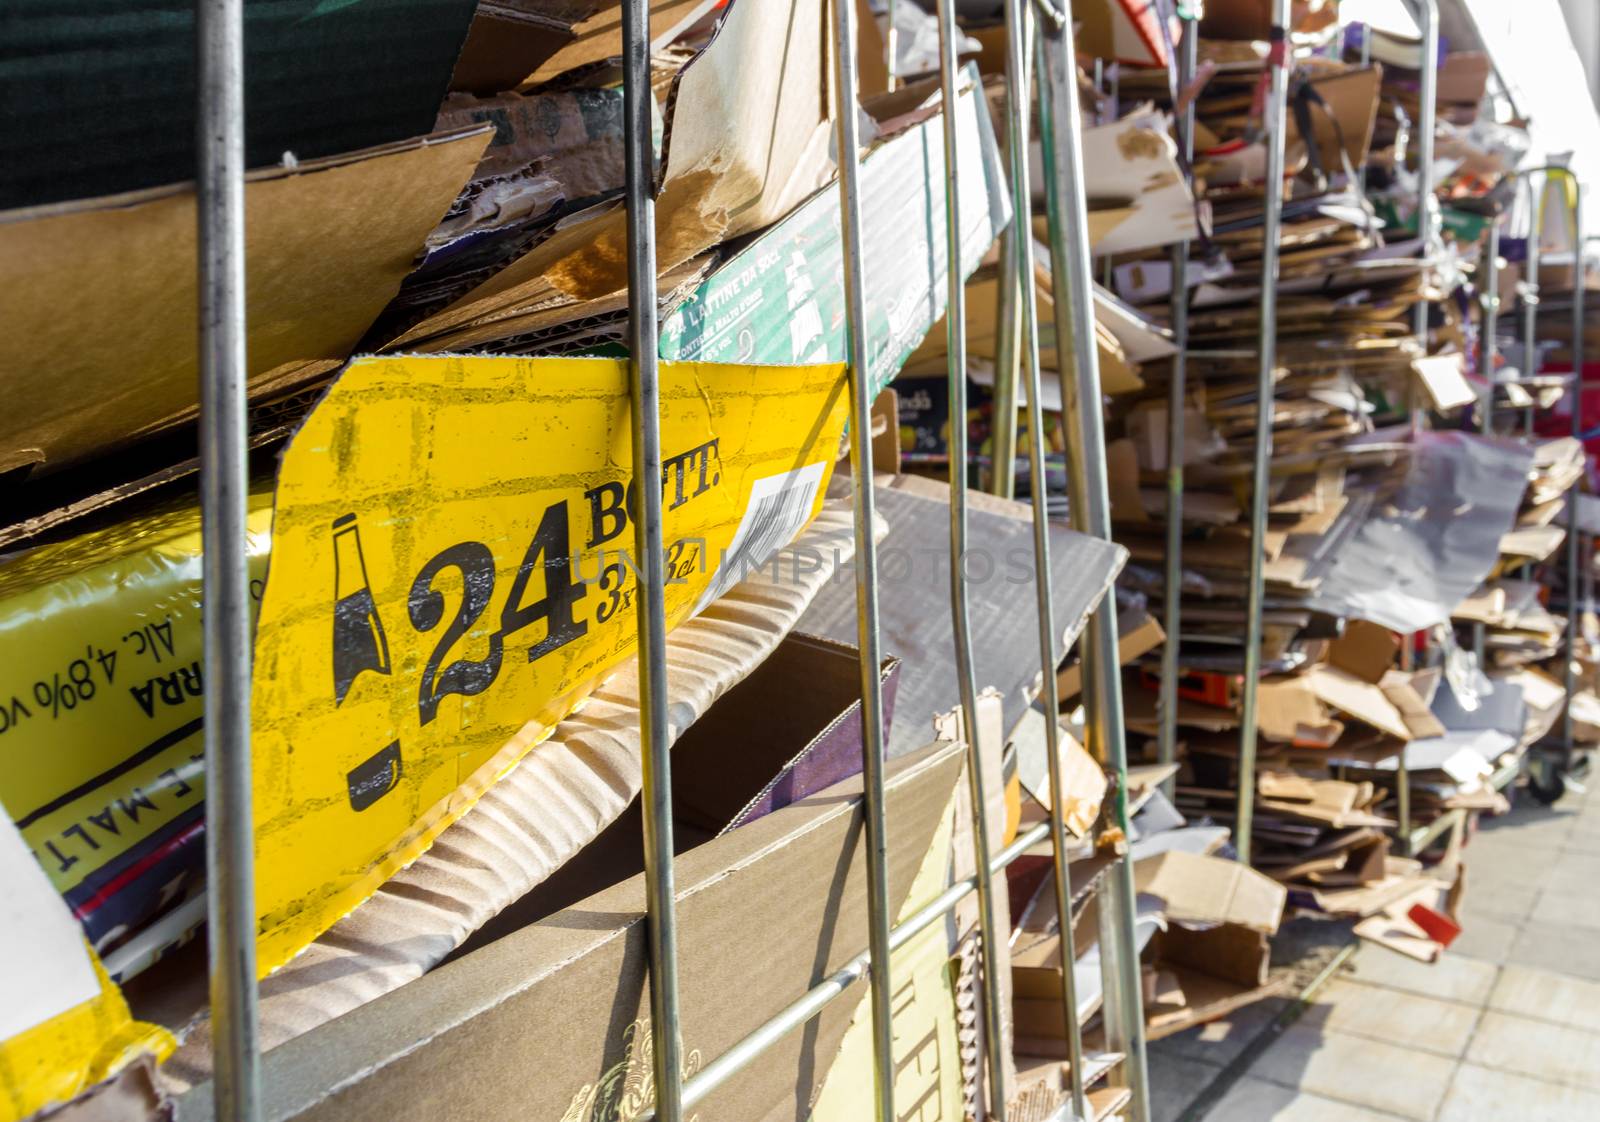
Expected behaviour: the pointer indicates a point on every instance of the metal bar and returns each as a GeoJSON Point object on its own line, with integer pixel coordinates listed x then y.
{"type": "Point", "coordinates": [960, 610]}
{"type": "Point", "coordinates": [1079, 370]}
{"type": "Point", "coordinates": [1167, 743]}
{"type": "Point", "coordinates": [1003, 471]}
{"type": "Point", "coordinates": [1276, 120]}
{"type": "Point", "coordinates": [1008, 308]}
{"type": "Point", "coordinates": [1488, 355]}
{"type": "Point", "coordinates": [1366, 60]}
{"type": "Point", "coordinates": [224, 502]}
{"type": "Point", "coordinates": [814, 1000]}
{"type": "Point", "coordinates": [1530, 292]}
{"type": "Point", "coordinates": [1018, 34]}
{"type": "Point", "coordinates": [1424, 836]}
{"type": "Point", "coordinates": [866, 569]}
{"type": "Point", "coordinates": [1575, 403]}
{"type": "Point", "coordinates": [650, 605]}
{"type": "Point", "coordinates": [1428, 12]}
{"type": "Point", "coordinates": [891, 46]}
{"type": "Point", "coordinates": [1427, 116]}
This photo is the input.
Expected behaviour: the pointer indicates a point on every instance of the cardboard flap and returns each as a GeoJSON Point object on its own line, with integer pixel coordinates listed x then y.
{"type": "Point", "coordinates": [747, 140]}
{"type": "Point", "coordinates": [1288, 711]}
{"type": "Point", "coordinates": [527, 42]}
{"type": "Point", "coordinates": [107, 289]}
{"type": "Point", "coordinates": [1342, 127]}
{"type": "Point", "coordinates": [1419, 719]}
{"type": "Point", "coordinates": [1365, 650]}
{"type": "Point", "coordinates": [1206, 891]}
{"type": "Point", "coordinates": [1444, 377]}
{"type": "Point", "coordinates": [1360, 699]}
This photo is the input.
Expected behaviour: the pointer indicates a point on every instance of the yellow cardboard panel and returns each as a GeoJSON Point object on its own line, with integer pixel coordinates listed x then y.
{"type": "Point", "coordinates": [451, 575]}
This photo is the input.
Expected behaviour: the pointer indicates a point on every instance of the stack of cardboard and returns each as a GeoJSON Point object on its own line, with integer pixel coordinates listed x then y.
{"type": "Point", "coordinates": [456, 809]}
{"type": "Point", "coordinates": [1351, 568]}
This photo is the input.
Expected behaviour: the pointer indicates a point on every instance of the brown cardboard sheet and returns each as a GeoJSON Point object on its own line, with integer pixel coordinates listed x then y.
{"type": "Point", "coordinates": [1365, 650]}
{"type": "Point", "coordinates": [1204, 891]}
{"type": "Point", "coordinates": [746, 142]}
{"type": "Point", "coordinates": [1289, 711]}
{"type": "Point", "coordinates": [546, 1021]}
{"type": "Point", "coordinates": [1351, 100]}
{"type": "Point", "coordinates": [554, 802]}
{"type": "Point", "coordinates": [1123, 341]}
{"type": "Point", "coordinates": [107, 287]}
{"type": "Point", "coordinates": [511, 43]}
{"type": "Point", "coordinates": [1362, 700]}
{"type": "Point", "coordinates": [1136, 636]}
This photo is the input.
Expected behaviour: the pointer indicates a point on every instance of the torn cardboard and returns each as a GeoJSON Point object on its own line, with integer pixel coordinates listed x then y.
{"type": "Point", "coordinates": [107, 289]}
{"type": "Point", "coordinates": [788, 890]}
{"type": "Point", "coordinates": [725, 173]}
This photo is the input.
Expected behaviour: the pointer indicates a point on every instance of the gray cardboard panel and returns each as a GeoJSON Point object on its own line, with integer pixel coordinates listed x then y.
{"type": "Point", "coordinates": [1429, 545]}
{"type": "Point", "coordinates": [915, 620]}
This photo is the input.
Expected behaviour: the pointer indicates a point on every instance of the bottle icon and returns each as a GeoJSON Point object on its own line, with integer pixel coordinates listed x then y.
{"type": "Point", "coordinates": [358, 639]}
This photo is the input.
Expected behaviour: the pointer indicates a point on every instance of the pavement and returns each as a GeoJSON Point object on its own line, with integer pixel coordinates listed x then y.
{"type": "Point", "coordinates": [1505, 1026]}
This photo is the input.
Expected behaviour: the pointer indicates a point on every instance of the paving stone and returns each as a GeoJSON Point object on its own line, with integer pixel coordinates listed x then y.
{"type": "Point", "coordinates": [1561, 908]}
{"type": "Point", "coordinates": [1175, 1082]}
{"type": "Point", "coordinates": [1256, 1100]}
{"type": "Point", "coordinates": [1505, 899]}
{"type": "Point", "coordinates": [1586, 841]}
{"type": "Point", "coordinates": [1480, 1094]}
{"type": "Point", "coordinates": [1407, 1019]}
{"type": "Point", "coordinates": [1353, 1069]}
{"type": "Point", "coordinates": [1541, 1049]}
{"type": "Point", "coordinates": [1486, 938]}
{"type": "Point", "coordinates": [1221, 1041]}
{"type": "Point", "coordinates": [1573, 872]}
{"type": "Point", "coordinates": [1575, 950]}
{"type": "Point", "coordinates": [1453, 978]}
{"type": "Point", "coordinates": [1535, 826]}
{"type": "Point", "coordinates": [1547, 996]}
{"type": "Point", "coordinates": [1495, 861]}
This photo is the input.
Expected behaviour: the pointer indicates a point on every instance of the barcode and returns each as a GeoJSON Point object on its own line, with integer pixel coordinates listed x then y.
{"type": "Point", "coordinates": [778, 509]}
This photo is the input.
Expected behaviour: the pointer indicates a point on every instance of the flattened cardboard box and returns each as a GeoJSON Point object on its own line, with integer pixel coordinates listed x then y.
{"type": "Point", "coordinates": [555, 1017]}
{"type": "Point", "coordinates": [746, 142]}
{"type": "Point", "coordinates": [781, 299]}
{"type": "Point", "coordinates": [527, 42]}
{"type": "Point", "coordinates": [449, 579]}
{"type": "Point", "coordinates": [101, 300]}
{"type": "Point", "coordinates": [915, 557]}
{"type": "Point", "coordinates": [528, 827]}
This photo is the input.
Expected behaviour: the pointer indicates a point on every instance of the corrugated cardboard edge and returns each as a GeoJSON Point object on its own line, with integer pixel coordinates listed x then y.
{"type": "Point", "coordinates": [492, 1034]}
{"type": "Point", "coordinates": [556, 800]}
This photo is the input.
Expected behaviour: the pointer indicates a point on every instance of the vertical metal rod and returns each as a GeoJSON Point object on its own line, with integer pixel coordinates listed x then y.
{"type": "Point", "coordinates": [1428, 10]}
{"type": "Point", "coordinates": [891, 46]}
{"type": "Point", "coordinates": [1167, 744]}
{"type": "Point", "coordinates": [956, 362]}
{"type": "Point", "coordinates": [650, 606]}
{"type": "Point", "coordinates": [224, 501]}
{"type": "Point", "coordinates": [1279, 62]}
{"type": "Point", "coordinates": [1366, 60]}
{"type": "Point", "coordinates": [1079, 369]}
{"type": "Point", "coordinates": [1531, 295]}
{"type": "Point", "coordinates": [1488, 356]}
{"type": "Point", "coordinates": [1427, 115]}
{"type": "Point", "coordinates": [1008, 309]}
{"type": "Point", "coordinates": [1019, 32]}
{"type": "Point", "coordinates": [1575, 402]}
{"type": "Point", "coordinates": [866, 568]}
{"type": "Point", "coordinates": [1003, 471]}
